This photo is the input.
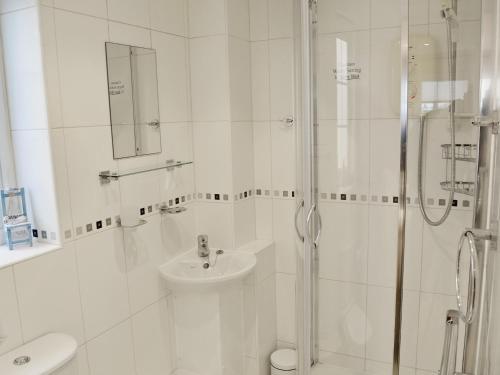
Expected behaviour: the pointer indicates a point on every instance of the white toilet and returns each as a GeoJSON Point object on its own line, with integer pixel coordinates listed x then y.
{"type": "Point", "coordinates": [284, 362]}
{"type": "Point", "coordinates": [43, 356]}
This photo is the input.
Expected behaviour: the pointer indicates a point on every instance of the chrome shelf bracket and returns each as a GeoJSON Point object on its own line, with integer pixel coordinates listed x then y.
{"type": "Point", "coordinates": [487, 121]}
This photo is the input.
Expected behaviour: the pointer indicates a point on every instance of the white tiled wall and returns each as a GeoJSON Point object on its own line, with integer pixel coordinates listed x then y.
{"type": "Point", "coordinates": [103, 286]}
{"type": "Point", "coordinates": [112, 300]}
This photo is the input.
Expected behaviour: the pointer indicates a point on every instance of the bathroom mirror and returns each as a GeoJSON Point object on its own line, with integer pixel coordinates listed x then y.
{"type": "Point", "coordinates": [133, 100]}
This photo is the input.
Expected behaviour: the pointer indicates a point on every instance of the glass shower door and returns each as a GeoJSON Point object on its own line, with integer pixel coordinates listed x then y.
{"type": "Point", "coordinates": [353, 180]}
{"type": "Point", "coordinates": [355, 184]}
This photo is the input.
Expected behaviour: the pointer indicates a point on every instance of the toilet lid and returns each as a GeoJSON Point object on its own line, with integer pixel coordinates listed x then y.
{"type": "Point", "coordinates": [284, 359]}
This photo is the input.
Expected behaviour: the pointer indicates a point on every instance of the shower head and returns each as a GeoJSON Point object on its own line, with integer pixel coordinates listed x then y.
{"type": "Point", "coordinates": [449, 10]}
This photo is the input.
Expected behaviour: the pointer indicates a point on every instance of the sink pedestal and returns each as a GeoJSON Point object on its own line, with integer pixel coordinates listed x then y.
{"type": "Point", "coordinates": [209, 330]}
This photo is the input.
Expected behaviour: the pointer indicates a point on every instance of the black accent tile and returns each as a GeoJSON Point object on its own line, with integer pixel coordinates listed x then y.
{"type": "Point", "coordinates": [395, 199]}
{"type": "Point", "coordinates": [245, 194]}
{"type": "Point", "coordinates": [454, 203]}
{"type": "Point", "coordinates": [98, 224]}
{"type": "Point", "coordinates": [293, 193]}
{"type": "Point", "coordinates": [343, 197]}
{"type": "Point", "coordinates": [217, 197]}
{"type": "Point", "coordinates": [142, 211]}
{"type": "Point", "coordinates": [177, 200]}
{"type": "Point", "coordinates": [35, 233]}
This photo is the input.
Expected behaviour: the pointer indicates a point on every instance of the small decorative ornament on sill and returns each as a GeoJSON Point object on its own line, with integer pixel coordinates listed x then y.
{"type": "Point", "coordinates": [15, 217]}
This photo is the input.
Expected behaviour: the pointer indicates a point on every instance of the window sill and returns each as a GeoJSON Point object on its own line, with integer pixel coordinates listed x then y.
{"type": "Point", "coordinates": [22, 253]}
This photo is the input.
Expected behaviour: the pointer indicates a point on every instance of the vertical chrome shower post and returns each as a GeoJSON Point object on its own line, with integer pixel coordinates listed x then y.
{"type": "Point", "coordinates": [475, 358]}
{"type": "Point", "coordinates": [398, 316]}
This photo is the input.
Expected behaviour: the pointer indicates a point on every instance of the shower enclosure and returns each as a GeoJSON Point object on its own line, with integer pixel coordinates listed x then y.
{"type": "Point", "coordinates": [397, 204]}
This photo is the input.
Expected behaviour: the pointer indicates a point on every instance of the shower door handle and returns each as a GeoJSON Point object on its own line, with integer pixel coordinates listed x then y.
{"type": "Point", "coordinates": [313, 239]}
{"type": "Point", "coordinates": [297, 212]}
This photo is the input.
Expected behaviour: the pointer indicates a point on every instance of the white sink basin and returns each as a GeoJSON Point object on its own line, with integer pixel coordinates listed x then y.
{"type": "Point", "coordinates": [186, 271]}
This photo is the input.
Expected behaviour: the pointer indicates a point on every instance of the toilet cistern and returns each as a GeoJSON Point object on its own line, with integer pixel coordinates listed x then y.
{"type": "Point", "coordinates": [203, 249]}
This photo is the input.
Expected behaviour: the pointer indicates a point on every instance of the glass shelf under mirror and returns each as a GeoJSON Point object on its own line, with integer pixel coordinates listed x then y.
{"type": "Point", "coordinates": [107, 176]}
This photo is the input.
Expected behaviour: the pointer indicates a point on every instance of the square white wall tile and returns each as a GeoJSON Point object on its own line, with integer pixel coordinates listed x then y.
{"type": "Point", "coordinates": [344, 156]}
{"type": "Point", "coordinates": [344, 245]}
{"type": "Point", "coordinates": [285, 307]}
{"type": "Point", "coordinates": [384, 157]}
{"type": "Point", "coordinates": [12, 5]}
{"type": "Point", "coordinates": [238, 18]}
{"type": "Point", "coordinates": [380, 325]}
{"type": "Point", "coordinates": [50, 66]}
{"type": "Point", "coordinates": [35, 171]}
{"type": "Point", "coordinates": [283, 156]}
{"type": "Point", "coordinates": [281, 78]}
{"type": "Point", "coordinates": [134, 12]}
{"type": "Point", "coordinates": [264, 218]}
{"type": "Point", "coordinates": [169, 16]}
{"type": "Point", "coordinates": [10, 323]}
{"type": "Point", "coordinates": [130, 35]}
{"type": "Point", "coordinates": [259, 19]}
{"type": "Point", "coordinates": [284, 235]}
{"type": "Point", "coordinates": [24, 71]}
{"type": "Point", "coordinates": [387, 13]}
{"type": "Point", "coordinates": [220, 231]}
{"type": "Point", "coordinates": [207, 17]}
{"type": "Point", "coordinates": [342, 317]}
{"type": "Point", "coordinates": [340, 98]}
{"type": "Point", "coordinates": [280, 19]}
{"type": "Point", "coordinates": [260, 80]}
{"type": "Point", "coordinates": [383, 247]}
{"type": "Point", "coordinates": [439, 251]}
{"type": "Point", "coordinates": [209, 78]}
{"type": "Point", "coordinates": [103, 281]}
{"type": "Point", "coordinates": [97, 8]}
{"type": "Point", "coordinates": [213, 164]}
{"type": "Point", "coordinates": [340, 15]}
{"type": "Point", "coordinates": [138, 191]}
{"type": "Point", "coordinates": [112, 352]}
{"type": "Point", "coordinates": [88, 151]}
{"type": "Point", "coordinates": [242, 156]}
{"type": "Point", "coordinates": [144, 253]}
{"type": "Point", "coordinates": [262, 150]}
{"type": "Point", "coordinates": [82, 68]}
{"type": "Point", "coordinates": [384, 74]}
{"type": "Point", "coordinates": [173, 83]}
{"type": "Point", "coordinates": [48, 294]}
{"type": "Point", "coordinates": [153, 340]}
{"type": "Point", "coordinates": [266, 318]}
{"type": "Point", "coordinates": [244, 221]}
{"type": "Point", "coordinates": [239, 79]}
